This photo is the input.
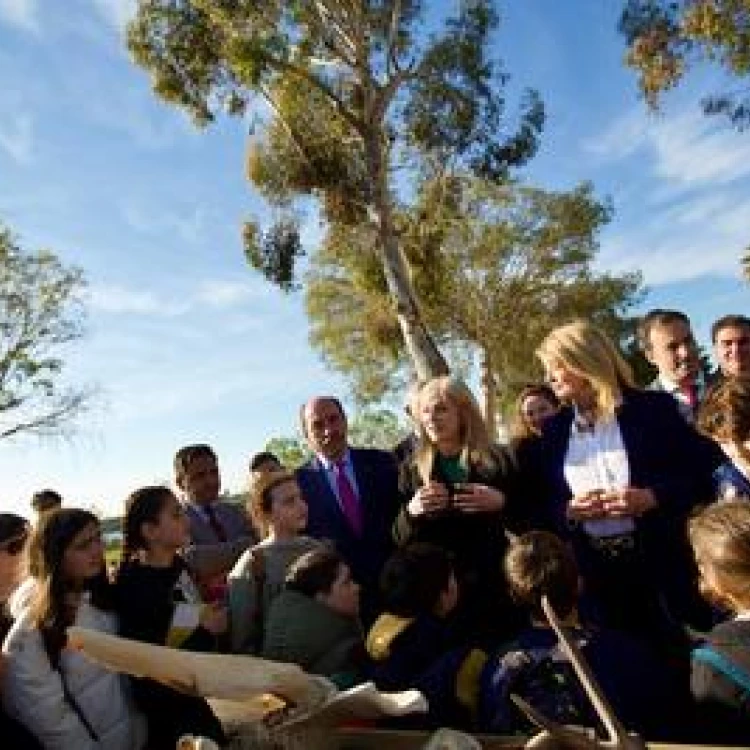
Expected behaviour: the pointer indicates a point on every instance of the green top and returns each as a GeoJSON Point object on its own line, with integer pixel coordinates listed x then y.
{"type": "Point", "coordinates": [452, 468]}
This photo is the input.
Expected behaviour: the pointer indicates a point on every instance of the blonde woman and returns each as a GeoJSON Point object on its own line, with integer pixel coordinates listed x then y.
{"type": "Point", "coordinates": [456, 490]}
{"type": "Point", "coordinates": [622, 470]}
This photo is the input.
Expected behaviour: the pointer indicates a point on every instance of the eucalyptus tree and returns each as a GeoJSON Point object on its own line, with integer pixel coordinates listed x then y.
{"type": "Point", "coordinates": [351, 98]}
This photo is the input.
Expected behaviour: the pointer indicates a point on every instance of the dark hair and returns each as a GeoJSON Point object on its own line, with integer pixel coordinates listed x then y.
{"type": "Point", "coordinates": [12, 528]}
{"type": "Point", "coordinates": [540, 564]}
{"type": "Point", "coordinates": [520, 427]}
{"type": "Point", "coordinates": [331, 399]}
{"type": "Point", "coordinates": [142, 506]}
{"type": "Point", "coordinates": [258, 459]}
{"type": "Point", "coordinates": [45, 500]}
{"type": "Point", "coordinates": [187, 454]}
{"type": "Point", "coordinates": [314, 572]}
{"type": "Point", "coordinates": [47, 546]}
{"type": "Point", "coordinates": [414, 578]}
{"type": "Point", "coordinates": [656, 319]}
{"type": "Point", "coordinates": [729, 321]}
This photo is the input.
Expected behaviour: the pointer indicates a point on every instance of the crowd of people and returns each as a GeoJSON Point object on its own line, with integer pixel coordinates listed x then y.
{"type": "Point", "coordinates": [425, 567]}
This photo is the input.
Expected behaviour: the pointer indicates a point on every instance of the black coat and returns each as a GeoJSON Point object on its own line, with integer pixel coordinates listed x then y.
{"type": "Point", "coordinates": [665, 455]}
{"type": "Point", "coordinates": [477, 542]}
{"type": "Point", "coordinates": [146, 599]}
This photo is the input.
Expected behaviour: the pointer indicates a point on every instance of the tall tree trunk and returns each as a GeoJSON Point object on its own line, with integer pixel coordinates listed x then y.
{"type": "Point", "coordinates": [489, 395]}
{"type": "Point", "coordinates": [427, 359]}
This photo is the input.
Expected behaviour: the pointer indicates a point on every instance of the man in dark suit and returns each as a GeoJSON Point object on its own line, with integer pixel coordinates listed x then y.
{"type": "Point", "coordinates": [351, 493]}
{"type": "Point", "coordinates": [667, 341]}
{"type": "Point", "coordinates": [219, 532]}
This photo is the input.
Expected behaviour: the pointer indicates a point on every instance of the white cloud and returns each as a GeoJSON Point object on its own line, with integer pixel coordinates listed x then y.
{"type": "Point", "coordinates": [17, 137]}
{"type": "Point", "coordinates": [224, 293]}
{"type": "Point", "coordinates": [119, 300]}
{"type": "Point", "coordinates": [20, 13]}
{"type": "Point", "coordinates": [687, 150]}
{"type": "Point", "coordinates": [218, 294]}
{"type": "Point", "coordinates": [620, 139]}
{"type": "Point", "coordinates": [691, 238]}
{"type": "Point", "coordinates": [116, 13]}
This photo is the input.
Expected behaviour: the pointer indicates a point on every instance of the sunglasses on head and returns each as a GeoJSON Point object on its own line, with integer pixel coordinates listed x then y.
{"type": "Point", "coordinates": [14, 546]}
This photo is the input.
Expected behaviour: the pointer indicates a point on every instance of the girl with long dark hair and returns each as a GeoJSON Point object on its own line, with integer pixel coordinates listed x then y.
{"type": "Point", "coordinates": [65, 699]}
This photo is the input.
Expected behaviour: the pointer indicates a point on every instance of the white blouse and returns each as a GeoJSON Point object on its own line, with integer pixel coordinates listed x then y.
{"type": "Point", "coordinates": [597, 460]}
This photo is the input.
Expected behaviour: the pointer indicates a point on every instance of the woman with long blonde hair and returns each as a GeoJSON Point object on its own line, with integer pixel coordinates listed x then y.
{"type": "Point", "coordinates": [456, 489]}
{"type": "Point", "coordinates": [622, 471]}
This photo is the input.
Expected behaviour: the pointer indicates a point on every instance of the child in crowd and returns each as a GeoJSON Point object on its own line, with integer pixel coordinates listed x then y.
{"type": "Point", "coordinates": [159, 603]}
{"type": "Point", "coordinates": [411, 644]}
{"type": "Point", "coordinates": [725, 417]}
{"type": "Point", "coordinates": [533, 666]}
{"type": "Point", "coordinates": [14, 533]}
{"type": "Point", "coordinates": [314, 621]}
{"type": "Point", "coordinates": [65, 699]}
{"type": "Point", "coordinates": [720, 681]}
{"type": "Point", "coordinates": [279, 513]}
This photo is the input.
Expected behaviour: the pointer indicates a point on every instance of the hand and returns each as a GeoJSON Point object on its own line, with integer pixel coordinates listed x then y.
{"type": "Point", "coordinates": [214, 619]}
{"type": "Point", "coordinates": [631, 501]}
{"type": "Point", "coordinates": [431, 498]}
{"type": "Point", "coordinates": [478, 498]}
{"type": "Point", "coordinates": [587, 507]}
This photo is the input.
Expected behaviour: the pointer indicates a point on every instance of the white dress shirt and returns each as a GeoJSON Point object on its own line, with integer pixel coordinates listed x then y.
{"type": "Point", "coordinates": [597, 460]}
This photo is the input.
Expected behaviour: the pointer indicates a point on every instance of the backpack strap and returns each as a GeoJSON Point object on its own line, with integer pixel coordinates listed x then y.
{"type": "Point", "coordinates": [258, 570]}
{"type": "Point", "coordinates": [723, 666]}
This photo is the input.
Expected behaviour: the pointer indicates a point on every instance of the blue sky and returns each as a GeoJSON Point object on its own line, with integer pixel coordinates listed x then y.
{"type": "Point", "coordinates": [184, 342]}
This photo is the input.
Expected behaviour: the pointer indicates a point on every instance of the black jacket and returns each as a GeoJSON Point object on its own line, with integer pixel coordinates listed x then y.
{"type": "Point", "coordinates": [146, 600]}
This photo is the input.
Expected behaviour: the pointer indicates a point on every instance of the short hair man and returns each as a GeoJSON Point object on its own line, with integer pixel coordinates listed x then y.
{"type": "Point", "coordinates": [351, 493]}
{"type": "Point", "coordinates": [219, 532]}
{"type": "Point", "coordinates": [667, 341]}
{"type": "Point", "coordinates": [730, 337]}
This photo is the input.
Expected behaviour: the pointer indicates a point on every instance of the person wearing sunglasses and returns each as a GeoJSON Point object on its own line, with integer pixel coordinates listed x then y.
{"type": "Point", "coordinates": [14, 532]}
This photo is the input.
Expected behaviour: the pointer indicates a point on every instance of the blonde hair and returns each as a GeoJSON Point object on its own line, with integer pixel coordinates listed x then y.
{"type": "Point", "coordinates": [586, 351]}
{"type": "Point", "coordinates": [475, 439]}
{"type": "Point", "coordinates": [720, 538]}
{"type": "Point", "coordinates": [262, 484]}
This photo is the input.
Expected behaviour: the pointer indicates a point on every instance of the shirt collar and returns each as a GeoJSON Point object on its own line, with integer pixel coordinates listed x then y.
{"type": "Point", "coordinates": [329, 465]}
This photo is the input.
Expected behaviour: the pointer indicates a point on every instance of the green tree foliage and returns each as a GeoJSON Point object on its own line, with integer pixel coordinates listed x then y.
{"type": "Point", "coordinates": [291, 451]}
{"type": "Point", "coordinates": [377, 428]}
{"type": "Point", "coordinates": [666, 38]}
{"type": "Point", "coordinates": [40, 313]}
{"type": "Point", "coordinates": [369, 428]}
{"type": "Point", "coordinates": [496, 268]}
{"type": "Point", "coordinates": [353, 91]}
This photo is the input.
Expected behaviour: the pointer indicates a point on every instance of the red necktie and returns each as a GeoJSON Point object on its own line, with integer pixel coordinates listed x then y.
{"type": "Point", "coordinates": [690, 392]}
{"type": "Point", "coordinates": [348, 499]}
{"type": "Point", "coordinates": [215, 523]}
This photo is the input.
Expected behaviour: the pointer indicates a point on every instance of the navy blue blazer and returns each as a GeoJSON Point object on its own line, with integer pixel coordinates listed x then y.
{"type": "Point", "coordinates": [666, 455]}
{"type": "Point", "coordinates": [377, 482]}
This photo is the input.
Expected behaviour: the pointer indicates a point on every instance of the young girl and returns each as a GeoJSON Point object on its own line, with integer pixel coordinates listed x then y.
{"type": "Point", "coordinates": [66, 700]}
{"type": "Point", "coordinates": [720, 681]}
{"type": "Point", "coordinates": [280, 514]}
{"type": "Point", "coordinates": [725, 417]}
{"type": "Point", "coordinates": [159, 603]}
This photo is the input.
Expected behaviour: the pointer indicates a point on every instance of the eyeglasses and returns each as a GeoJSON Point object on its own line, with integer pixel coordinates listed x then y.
{"type": "Point", "coordinates": [14, 546]}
